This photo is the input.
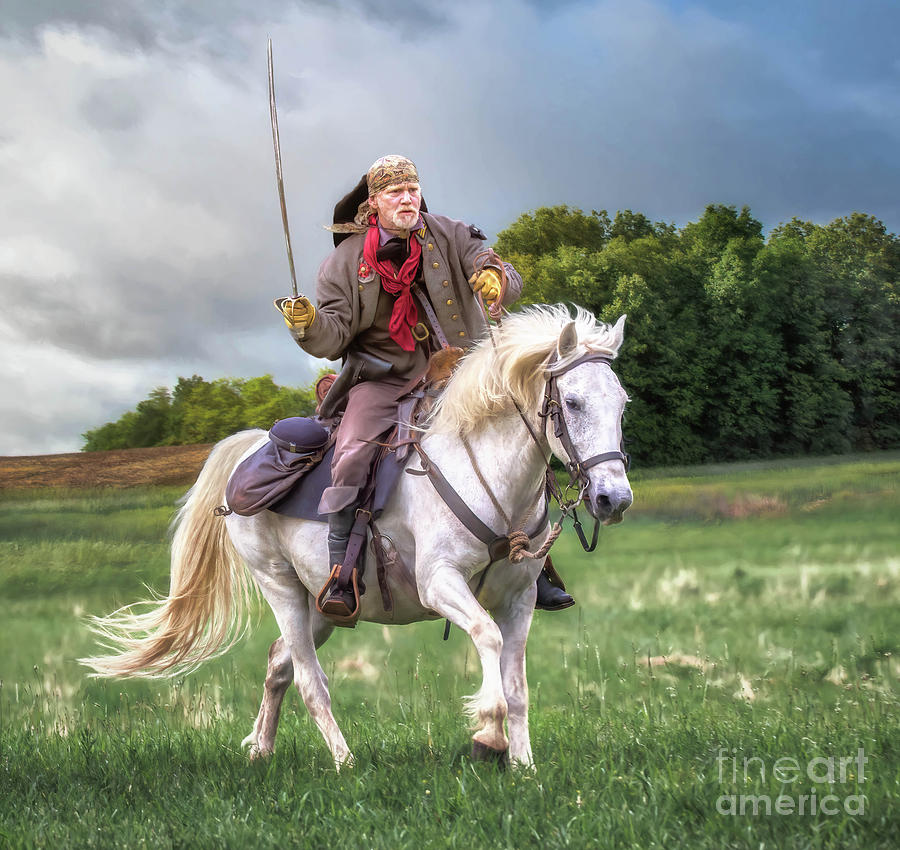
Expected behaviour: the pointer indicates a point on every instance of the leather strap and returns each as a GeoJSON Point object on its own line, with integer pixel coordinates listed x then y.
{"type": "Point", "coordinates": [587, 357]}
{"type": "Point", "coordinates": [576, 467]}
{"type": "Point", "coordinates": [593, 461]}
{"type": "Point", "coordinates": [381, 561]}
{"type": "Point", "coordinates": [432, 316]}
{"type": "Point", "coordinates": [355, 545]}
{"type": "Point", "coordinates": [498, 545]}
{"type": "Point", "coordinates": [461, 510]}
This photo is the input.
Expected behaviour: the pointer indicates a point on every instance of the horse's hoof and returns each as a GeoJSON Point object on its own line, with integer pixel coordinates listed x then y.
{"type": "Point", "coordinates": [341, 762]}
{"type": "Point", "coordinates": [482, 752]}
{"type": "Point", "coordinates": [257, 754]}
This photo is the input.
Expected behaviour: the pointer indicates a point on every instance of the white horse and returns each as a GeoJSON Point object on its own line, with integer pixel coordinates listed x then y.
{"type": "Point", "coordinates": [440, 562]}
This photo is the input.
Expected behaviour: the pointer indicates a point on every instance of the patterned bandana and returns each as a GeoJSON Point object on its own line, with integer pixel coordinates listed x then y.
{"type": "Point", "coordinates": [390, 170]}
{"type": "Point", "coordinates": [397, 282]}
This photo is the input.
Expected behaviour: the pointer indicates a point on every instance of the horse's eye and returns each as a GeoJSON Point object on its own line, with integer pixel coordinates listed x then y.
{"type": "Point", "coordinates": [574, 403]}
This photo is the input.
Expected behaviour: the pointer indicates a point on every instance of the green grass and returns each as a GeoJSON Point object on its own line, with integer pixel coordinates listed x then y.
{"type": "Point", "coordinates": [771, 590]}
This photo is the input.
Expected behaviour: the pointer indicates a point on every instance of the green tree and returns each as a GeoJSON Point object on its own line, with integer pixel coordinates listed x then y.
{"type": "Point", "coordinates": [112, 435]}
{"type": "Point", "coordinates": [199, 411]}
{"type": "Point", "coordinates": [179, 397]}
{"type": "Point", "coordinates": [735, 346]}
{"type": "Point", "coordinates": [860, 262]}
{"type": "Point", "coordinates": [153, 422]}
{"type": "Point", "coordinates": [548, 228]}
{"type": "Point", "coordinates": [814, 411]}
{"type": "Point", "coordinates": [537, 237]}
{"type": "Point", "coordinates": [706, 240]}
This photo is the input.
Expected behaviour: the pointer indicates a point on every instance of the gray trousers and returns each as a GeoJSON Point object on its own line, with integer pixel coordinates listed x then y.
{"type": "Point", "coordinates": [371, 410]}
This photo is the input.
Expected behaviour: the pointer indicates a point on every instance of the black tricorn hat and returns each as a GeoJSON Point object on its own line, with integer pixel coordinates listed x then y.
{"type": "Point", "coordinates": [346, 208]}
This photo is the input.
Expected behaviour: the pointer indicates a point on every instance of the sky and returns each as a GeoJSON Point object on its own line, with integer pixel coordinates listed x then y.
{"type": "Point", "coordinates": [140, 231]}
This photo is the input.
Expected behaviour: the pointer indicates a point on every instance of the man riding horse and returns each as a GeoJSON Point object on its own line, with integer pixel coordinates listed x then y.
{"type": "Point", "coordinates": [400, 284]}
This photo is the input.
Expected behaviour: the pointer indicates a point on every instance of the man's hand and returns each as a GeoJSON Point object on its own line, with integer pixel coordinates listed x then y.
{"type": "Point", "coordinates": [298, 312]}
{"type": "Point", "coordinates": [487, 282]}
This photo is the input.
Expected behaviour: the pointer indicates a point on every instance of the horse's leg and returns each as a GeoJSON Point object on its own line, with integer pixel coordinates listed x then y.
{"type": "Point", "coordinates": [294, 610]}
{"type": "Point", "coordinates": [279, 674]}
{"type": "Point", "coordinates": [445, 591]}
{"type": "Point", "coordinates": [515, 622]}
{"type": "Point", "coordinates": [312, 682]}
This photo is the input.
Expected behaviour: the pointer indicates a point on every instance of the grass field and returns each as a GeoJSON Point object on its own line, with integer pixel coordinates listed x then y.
{"type": "Point", "coordinates": [737, 638]}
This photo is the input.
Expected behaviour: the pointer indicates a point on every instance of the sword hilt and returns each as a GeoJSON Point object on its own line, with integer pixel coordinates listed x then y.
{"type": "Point", "coordinates": [285, 306]}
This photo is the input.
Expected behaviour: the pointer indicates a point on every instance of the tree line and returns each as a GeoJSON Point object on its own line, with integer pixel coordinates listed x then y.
{"type": "Point", "coordinates": [737, 345]}
{"type": "Point", "coordinates": [199, 411]}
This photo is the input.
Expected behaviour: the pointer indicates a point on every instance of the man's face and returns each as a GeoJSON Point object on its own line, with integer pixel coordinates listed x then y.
{"type": "Point", "coordinates": [398, 206]}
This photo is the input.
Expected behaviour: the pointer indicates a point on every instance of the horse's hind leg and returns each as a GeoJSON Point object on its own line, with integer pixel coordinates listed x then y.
{"type": "Point", "coordinates": [303, 629]}
{"type": "Point", "coordinates": [312, 682]}
{"type": "Point", "coordinates": [279, 674]}
{"type": "Point", "coordinates": [313, 689]}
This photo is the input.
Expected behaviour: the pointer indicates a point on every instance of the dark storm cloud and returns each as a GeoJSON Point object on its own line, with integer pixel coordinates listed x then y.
{"type": "Point", "coordinates": [210, 24]}
{"type": "Point", "coordinates": [127, 18]}
{"type": "Point", "coordinates": [666, 110]}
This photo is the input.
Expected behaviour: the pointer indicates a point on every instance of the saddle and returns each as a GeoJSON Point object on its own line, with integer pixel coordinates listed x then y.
{"type": "Point", "coordinates": [288, 474]}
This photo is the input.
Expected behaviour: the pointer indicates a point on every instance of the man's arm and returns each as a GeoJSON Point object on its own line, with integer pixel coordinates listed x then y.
{"type": "Point", "coordinates": [470, 242]}
{"type": "Point", "coordinates": [332, 326]}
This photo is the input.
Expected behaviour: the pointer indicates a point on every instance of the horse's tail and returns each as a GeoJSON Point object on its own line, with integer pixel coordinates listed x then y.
{"type": "Point", "coordinates": [209, 591]}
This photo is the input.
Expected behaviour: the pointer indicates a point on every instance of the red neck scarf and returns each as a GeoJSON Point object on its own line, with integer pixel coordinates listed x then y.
{"type": "Point", "coordinates": [397, 282]}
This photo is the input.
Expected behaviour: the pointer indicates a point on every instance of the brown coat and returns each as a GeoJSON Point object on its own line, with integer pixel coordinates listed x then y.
{"type": "Point", "coordinates": [353, 309]}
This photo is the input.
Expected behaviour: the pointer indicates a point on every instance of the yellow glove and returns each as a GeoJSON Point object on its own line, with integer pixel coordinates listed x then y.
{"type": "Point", "coordinates": [298, 312]}
{"type": "Point", "coordinates": [487, 281]}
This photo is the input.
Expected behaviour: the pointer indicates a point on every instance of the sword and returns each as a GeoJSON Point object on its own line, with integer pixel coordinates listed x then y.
{"type": "Point", "coordinates": [300, 332]}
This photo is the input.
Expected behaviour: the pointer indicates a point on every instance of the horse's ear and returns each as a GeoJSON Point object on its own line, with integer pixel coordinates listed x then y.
{"type": "Point", "coordinates": [567, 342]}
{"type": "Point", "coordinates": [618, 332]}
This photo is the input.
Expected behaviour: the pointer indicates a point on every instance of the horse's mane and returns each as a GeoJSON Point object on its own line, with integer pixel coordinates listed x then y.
{"type": "Point", "coordinates": [492, 374]}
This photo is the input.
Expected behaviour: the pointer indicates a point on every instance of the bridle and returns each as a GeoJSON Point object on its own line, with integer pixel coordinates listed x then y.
{"type": "Point", "coordinates": [575, 466]}
{"type": "Point", "coordinates": [552, 409]}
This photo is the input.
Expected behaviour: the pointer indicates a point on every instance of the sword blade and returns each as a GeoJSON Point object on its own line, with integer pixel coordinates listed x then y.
{"type": "Point", "coordinates": [275, 141]}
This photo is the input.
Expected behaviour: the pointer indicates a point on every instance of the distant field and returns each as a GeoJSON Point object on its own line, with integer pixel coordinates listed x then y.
{"type": "Point", "coordinates": [160, 465]}
{"type": "Point", "coordinates": [741, 612]}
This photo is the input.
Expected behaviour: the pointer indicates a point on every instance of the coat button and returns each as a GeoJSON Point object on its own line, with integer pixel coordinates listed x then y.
{"type": "Point", "coordinates": [445, 283]}
{"type": "Point", "coordinates": [361, 287]}
{"type": "Point", "coordinates": [462, 333]}
{"type": "Point", "coordinates": [431, 246]}
{"type": "Point", "coordinates": [435, 265]}
{"type": "Point", "coordinates": [454, 317]}
{"type": "Point", "coordinates": [449, 301]}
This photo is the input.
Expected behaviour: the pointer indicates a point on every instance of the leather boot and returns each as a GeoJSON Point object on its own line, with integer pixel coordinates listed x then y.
{"type": "Point", "coordinates": [551, 592]}
{"type": "Point", "coordinates": [339, 525]}
{"type": "Point", "coordinates": [341, 606]}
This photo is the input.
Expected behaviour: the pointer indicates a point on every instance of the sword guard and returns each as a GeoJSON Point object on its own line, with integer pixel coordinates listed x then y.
{"type": "Point", "coordinates": [285, 306]}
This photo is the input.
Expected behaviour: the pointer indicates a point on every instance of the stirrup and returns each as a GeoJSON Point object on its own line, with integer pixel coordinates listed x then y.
{"type": "Point", "coordinates": [335, 604]}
